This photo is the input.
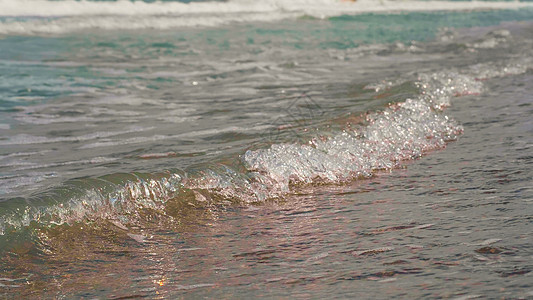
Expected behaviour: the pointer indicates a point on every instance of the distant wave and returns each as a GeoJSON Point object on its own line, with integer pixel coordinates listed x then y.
{"type": "Point", "coordinates": [28, 17]}
{"type": "Point", "coordinates": [45, 8]}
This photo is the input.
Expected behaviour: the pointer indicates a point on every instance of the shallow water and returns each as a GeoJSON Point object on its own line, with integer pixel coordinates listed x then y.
{"type": "Point", "coordinates": [375, 155]}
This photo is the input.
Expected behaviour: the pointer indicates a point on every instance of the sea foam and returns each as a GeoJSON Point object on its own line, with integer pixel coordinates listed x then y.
{"type": "Point", "coordinates": [42, 17]}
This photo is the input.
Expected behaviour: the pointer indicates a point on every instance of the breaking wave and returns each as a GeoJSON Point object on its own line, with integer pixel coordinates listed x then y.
{"type": "Point", "coordinates": [368, 143]}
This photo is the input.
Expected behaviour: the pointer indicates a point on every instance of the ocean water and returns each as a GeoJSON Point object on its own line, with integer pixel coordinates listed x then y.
{"type": "Point", "coordinates": [278, 149]}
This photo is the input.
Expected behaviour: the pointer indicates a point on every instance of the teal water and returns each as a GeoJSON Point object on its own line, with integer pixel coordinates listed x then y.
{"type": "Point", "coordinates": [370, 155]}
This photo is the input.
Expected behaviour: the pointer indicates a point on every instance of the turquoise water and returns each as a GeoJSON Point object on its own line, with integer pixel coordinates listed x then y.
{"type": "Point", "coordinates": [231, 150]}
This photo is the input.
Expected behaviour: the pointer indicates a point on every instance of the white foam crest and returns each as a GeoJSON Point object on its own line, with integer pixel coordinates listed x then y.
{"type": "Point", "coordinates": [231, 184]}
{"type": "Point", "coordinates": [401, 132]}
{"type": "Point", "coordinates": [491, 70]}
{"type": "Point", "coordinates": [46, 8]}
{"type": "Point", "coordinates": [58, 17]}
{"type": "Point", "coordinates": [75, 24]}
{"type": "Point", "coordinates": [439, 87]}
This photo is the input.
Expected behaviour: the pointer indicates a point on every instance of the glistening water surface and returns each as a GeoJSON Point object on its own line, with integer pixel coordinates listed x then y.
{"type": "Point", "coordinates": [373, 155]}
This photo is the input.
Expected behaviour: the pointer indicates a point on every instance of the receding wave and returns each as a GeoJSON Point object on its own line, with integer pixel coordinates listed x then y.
{"type": "Point", "coordinates": [30, 17]}
{"type": "Point", "coordinates": [368, 143]}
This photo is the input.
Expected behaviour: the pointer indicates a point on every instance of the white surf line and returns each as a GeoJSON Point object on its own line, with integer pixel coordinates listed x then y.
{"type": "Point", "coordinates": [318, 8]}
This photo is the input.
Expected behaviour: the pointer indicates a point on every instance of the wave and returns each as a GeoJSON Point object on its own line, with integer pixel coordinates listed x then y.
{"type": "Point", "coordinates": [374, 141]}
{"type": "Point", "coordinates": [46, 8]}
{"type": "Point", "coordinates": [28, 17]}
